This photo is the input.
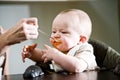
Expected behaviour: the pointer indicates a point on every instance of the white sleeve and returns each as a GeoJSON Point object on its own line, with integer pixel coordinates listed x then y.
{"type": "Point", "coordinates": [56, 67]}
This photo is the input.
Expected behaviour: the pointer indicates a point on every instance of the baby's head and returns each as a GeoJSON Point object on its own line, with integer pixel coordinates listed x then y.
{"type": "Point", "coordinates": [70, 28]}
{"type": "Point", "coordinates": [78, 20]}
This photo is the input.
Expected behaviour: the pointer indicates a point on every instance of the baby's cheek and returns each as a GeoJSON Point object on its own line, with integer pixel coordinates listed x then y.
{"type": "Point", "coordinates": [51, 41]}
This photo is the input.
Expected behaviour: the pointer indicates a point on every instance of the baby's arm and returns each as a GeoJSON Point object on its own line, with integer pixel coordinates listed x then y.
{"type": "Point", "coordinates": [69, 63]}
{"type": "Point", "coordinates": [32, 53]}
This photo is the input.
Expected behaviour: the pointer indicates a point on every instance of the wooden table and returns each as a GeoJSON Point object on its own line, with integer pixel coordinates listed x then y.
{"type": "Point", "coordinates": [92, 75]}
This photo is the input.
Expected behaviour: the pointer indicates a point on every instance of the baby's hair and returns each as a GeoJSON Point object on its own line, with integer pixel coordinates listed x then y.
{"type": "Point", "coordinates": [85, 26]}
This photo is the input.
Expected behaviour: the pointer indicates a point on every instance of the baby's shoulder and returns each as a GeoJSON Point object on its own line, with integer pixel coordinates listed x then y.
{"type": "Point", "coordinates": [86, 46]}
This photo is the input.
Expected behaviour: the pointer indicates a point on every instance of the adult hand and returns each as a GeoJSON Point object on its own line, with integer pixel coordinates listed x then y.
{"type": "Point", "coordinates": [3, 47]}
{"type": "Point", "coordinates": [25, 29]}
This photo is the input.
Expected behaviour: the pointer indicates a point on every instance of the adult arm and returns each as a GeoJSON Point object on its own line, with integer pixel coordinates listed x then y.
{"type": "Point", "coordinates": [25, 29]}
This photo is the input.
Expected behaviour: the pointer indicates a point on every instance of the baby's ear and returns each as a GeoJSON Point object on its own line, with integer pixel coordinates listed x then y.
{"type": "Point", "coordinates": [83, 39]}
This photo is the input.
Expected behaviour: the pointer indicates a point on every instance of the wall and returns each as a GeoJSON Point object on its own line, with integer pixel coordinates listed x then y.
{"type": "Point", "coordinates": [104, 15]}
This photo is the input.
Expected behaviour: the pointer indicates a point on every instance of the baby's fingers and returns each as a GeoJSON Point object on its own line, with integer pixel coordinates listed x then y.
{"type": "Point", "coordinates": [32, 47]}
{"type": "Point", "coordinates": [45, 60]}
{"type": "Point", "coordinates": [29, 48]}
{"type": "Point", "coordinates": [43, 57]}
{"type": "Point", "coordinates": [25, 55]}
{"type": "Point", "coordinates": [46, 46]}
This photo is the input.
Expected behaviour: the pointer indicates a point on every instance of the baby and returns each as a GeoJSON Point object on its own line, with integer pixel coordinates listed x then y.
{"type": "Point", "coordinates": [71, 52]}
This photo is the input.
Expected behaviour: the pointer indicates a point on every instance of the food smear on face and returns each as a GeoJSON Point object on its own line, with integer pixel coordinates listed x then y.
{"type": "Point", "coordinates": [57, 42]}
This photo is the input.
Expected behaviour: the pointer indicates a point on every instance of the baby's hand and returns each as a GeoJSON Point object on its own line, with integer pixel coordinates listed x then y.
{"type": "Point", "coordinates": [48, 53]}
{"type": "Point", "coordinates": [27, 50]}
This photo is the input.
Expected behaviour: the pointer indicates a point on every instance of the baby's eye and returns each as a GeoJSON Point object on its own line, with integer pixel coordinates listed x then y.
{"type": "Point", "coordinates": [53, 31]}
{"type": "Point", "coordinates": [65, 32]}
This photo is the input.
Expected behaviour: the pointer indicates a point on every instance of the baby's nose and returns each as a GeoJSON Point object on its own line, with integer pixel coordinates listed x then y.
{"type": "Point", "coordinates": [57, 35]}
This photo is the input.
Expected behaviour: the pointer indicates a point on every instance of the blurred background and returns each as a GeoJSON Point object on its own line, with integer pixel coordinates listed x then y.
{"type": "Point", "coordinates": [105, 16]}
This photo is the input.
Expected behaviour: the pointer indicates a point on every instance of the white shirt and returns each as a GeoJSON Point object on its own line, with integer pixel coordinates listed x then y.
{"type": "Point", "coordinates": [84, 52]}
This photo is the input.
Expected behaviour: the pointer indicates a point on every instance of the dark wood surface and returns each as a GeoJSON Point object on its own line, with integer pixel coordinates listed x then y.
{"type": "Point", "coordinates": [92, 75]}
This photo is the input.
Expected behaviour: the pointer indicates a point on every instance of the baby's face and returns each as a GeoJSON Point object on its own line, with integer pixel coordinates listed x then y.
{"type": "Point", "coordinates": [64, 36]}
